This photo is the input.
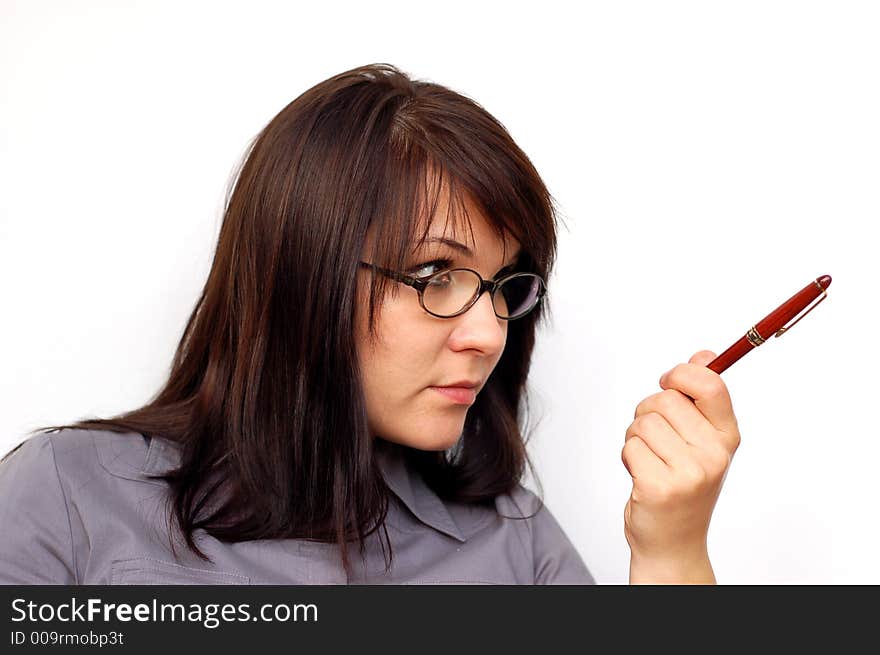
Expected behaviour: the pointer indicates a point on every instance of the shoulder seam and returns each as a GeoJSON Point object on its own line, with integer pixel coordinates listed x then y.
{"type": "Point", "coordinates": [66, 510]}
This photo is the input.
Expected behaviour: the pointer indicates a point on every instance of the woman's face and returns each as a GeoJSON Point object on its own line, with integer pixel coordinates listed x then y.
{"type": "Point", "coordinates": [416, 352]}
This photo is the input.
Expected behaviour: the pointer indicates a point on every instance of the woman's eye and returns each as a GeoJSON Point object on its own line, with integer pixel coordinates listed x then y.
{"type": "Point", "coordinates": [429, 268]}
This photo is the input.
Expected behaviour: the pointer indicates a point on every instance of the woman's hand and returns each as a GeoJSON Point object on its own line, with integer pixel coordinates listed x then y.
{"type": "Point", "coordinates": [678, 449]}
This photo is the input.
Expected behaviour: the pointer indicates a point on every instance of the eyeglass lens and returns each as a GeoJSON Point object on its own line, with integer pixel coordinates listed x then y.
{"type": "Point", "coordinates": [451, 291]}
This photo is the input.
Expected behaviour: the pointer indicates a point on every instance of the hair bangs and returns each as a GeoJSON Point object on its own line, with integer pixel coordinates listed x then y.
{"type": "Point", "coordinates": [419, 181]}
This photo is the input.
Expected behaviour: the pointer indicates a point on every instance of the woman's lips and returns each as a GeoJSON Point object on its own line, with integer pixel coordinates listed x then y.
{"type": "Point", "coordinates": [462, 395]}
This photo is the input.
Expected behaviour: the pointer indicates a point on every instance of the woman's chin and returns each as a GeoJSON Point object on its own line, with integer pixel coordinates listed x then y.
{"type": "Point", "coordinates": [428, 440]}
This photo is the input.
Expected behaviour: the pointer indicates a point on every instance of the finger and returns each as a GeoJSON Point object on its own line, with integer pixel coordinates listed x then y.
{"type": "Point", "coordinates": [641, 461]}
{"type": "Point", "coordinates": [706, 388]}
{"type": "Point", "coordinates": [702, 357]}
{"type": "Point", "coordinates": [681, 413]}
{"type": "Point", "coordinates": [660, 437]}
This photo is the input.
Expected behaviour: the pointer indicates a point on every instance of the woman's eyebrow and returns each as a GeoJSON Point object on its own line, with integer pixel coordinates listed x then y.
{"type": "Point", "coordinates": [460, 247]}
{"type": "Point", "coordinates": [455, 245]}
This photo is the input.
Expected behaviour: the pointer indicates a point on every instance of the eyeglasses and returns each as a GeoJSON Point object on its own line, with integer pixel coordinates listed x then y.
{"type": "Point", "coordinates": [452, 292]}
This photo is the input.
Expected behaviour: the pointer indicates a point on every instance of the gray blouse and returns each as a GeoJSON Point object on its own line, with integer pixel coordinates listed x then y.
{"type": "Point", "coordinates": [76, 507]}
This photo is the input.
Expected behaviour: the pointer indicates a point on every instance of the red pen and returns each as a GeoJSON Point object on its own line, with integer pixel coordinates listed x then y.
{"type": "Point", "coordinates": [773, 323]}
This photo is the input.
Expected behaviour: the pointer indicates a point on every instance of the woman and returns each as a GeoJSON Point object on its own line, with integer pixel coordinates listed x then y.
{"type": "Point", "coordinates": [346, 402]}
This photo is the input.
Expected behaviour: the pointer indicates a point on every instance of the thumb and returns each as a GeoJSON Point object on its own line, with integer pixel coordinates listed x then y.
{"type": "Point", "coordinates": [702, 357]}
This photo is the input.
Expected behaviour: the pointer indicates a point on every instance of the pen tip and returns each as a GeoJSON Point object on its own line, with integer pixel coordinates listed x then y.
{"type": "Point", "coordinates": [824, 281]}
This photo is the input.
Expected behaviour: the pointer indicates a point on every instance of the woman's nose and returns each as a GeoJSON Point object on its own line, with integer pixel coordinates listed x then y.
{"type": "Point", "coordinates": [480, 328]}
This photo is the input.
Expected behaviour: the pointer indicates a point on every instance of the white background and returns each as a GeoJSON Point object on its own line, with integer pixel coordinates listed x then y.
{"type": "Point", "coordinates": [708, 159]}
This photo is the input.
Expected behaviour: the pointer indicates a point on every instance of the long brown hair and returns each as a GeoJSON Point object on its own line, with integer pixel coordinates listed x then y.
{"type": "Point", "coordinates": [264, 396]}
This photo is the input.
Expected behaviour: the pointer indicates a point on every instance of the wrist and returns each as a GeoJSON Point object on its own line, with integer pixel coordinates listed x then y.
{"type": "Point", "coordinates": [692, 567]}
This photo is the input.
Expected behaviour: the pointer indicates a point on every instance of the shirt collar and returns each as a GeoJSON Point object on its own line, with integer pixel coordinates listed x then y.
{"type": "Point", "coordinates": [406, 483]}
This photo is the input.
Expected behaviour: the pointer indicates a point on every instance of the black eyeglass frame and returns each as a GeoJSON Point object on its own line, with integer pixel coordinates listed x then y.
{"type": "Point", "coordinates": [421, 283]}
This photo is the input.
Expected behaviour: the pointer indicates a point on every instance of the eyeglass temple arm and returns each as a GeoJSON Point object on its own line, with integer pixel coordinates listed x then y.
{"type": "Point", "coordinates": [394, 275]}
